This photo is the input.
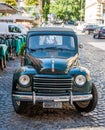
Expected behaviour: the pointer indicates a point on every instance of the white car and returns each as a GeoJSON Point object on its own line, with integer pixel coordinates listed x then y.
{"type": "Point", "coordinates": [81, 27]}
{"type": "Point", "coordinates": [12, 29]}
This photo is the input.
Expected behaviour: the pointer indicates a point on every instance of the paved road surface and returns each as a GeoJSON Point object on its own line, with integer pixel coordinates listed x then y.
{"type": "Point", "coordinates": [98, 43]}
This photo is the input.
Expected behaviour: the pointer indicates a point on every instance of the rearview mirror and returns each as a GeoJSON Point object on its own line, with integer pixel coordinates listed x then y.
{"type": "Point", "coordinates": [81, 45]}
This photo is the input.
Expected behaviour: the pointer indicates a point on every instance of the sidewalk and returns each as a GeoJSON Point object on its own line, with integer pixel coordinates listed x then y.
{"type": "Point", "coordinates": [11, 63]}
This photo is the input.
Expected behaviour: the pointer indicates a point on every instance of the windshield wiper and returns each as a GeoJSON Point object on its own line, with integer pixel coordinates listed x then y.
{"type": "Point", "coordinates": [60, 48]}
{"type": "Point", "coordinates": [35, 49]}
{"type": "Point", "coordinates": [64, 48]}
{"type": "Point", "coordinates": [56, 48]}
{"type": "Point", "coordinates": [32, 49]}
{"type": "Point", "coordinates": [52, 47]}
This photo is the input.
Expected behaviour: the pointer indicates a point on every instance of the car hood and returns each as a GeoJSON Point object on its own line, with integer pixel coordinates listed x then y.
{"type": "Point", "coordinates": [52, 65]}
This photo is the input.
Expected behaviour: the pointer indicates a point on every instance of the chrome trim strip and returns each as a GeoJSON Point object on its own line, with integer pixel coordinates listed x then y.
{"type": "Point", "coordinates": [37, 83]}
{"type": "Point", "coordinates": [53, 65]}
{"type": "Point", "coordinates": [71, 98]}
{"type": "Point", "coordinates": [40, 88]}
{"type": "Point", "coordinates": [41, 78]}
{"type": "Point", "coordinates": [34, 98]}
{"type": "Point", "coordinates": [51, 98]}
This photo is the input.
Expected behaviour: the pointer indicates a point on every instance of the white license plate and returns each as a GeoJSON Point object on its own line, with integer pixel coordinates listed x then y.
{"type": "Point", "coordinates": [52, 104]}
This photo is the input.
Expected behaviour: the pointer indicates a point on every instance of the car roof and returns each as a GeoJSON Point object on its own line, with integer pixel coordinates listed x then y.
{"type": "Point", "coordinates": [102, 26]}
{"type": "Point", "coordinates": [50, 29]}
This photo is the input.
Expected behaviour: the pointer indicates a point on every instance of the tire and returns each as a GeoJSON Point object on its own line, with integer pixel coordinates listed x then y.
{"type": "Point", "coordinates": [97, 36]}
{"type": "Point", "coordinates": [19, 106]}
{"type": "Point", "coordinates": [88, 106]}
{"type": "Point", "coordinates": [94, 36]}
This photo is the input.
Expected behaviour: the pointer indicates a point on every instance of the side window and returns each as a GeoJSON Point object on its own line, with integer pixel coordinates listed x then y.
{"type": "Point", "coordinates": [97, 29]}
{"type": "Point", "coordinates": [103, 28]}
{"type": "Point", "coordinates": [68, 41]}
{"type": "Point", "coordinates": [72, 44]}
{"type": "Point", "coordinates": [17, 30]}
{"type": "Point", "coordinates": [10, 28]}
{"type": "Point", "coordinates": [33, 42]}
{"type": "Point", "coordinates": [14, 29]}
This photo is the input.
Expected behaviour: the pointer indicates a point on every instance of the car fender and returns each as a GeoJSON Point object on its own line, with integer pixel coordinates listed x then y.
{"type": "Point", "coordinates": [82, 71]}
{"type": "Point", "coordinates": [24, 70]}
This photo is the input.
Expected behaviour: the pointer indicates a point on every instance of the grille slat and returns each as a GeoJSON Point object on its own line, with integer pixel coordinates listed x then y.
{"type": "Point", "coordinates": [52, 79]}
{"type": "Point", "coordinates": [52, 86]}
{"type": "Point", "coordinates": [60, 84]}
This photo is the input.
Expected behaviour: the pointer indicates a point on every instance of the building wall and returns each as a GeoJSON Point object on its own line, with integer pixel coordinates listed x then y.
{"type": "Point", "coordinates": [94, 11]}
{"type": "Point", "coordinates": [90, 14]}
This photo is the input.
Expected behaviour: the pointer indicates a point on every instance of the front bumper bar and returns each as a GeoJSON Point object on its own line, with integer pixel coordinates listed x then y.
{"type": "Point", "coordinates": [35, 98]}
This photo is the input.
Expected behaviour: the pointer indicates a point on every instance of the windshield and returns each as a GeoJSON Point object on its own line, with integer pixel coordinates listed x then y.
{"type": "Point", "coordinates": [51, 42]}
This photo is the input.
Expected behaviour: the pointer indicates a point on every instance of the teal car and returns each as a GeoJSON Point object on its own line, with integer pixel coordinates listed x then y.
{"type": "Point", "coordinates": [51, 73]}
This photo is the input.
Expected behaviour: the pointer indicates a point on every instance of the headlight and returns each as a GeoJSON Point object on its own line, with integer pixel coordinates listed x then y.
{"type": "Point", "coordinates": [80, 80]}
{"type": "Point", "coordinates": [24, 80]}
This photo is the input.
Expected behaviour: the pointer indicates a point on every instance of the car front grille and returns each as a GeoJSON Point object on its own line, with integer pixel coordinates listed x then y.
{"type": "Point", "coordinates": [45, 86]}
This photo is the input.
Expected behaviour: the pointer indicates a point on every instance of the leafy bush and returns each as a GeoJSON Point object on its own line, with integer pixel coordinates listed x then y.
{"type": "Point", "coordinates": [22, 49]}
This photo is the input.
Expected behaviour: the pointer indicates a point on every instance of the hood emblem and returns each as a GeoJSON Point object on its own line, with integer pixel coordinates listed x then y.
{"type": "Point", "coordinates": [53, 65]}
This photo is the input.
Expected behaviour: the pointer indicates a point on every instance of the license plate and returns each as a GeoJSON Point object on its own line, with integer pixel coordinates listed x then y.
{"type": "Point", "coordinates": [52, 104]}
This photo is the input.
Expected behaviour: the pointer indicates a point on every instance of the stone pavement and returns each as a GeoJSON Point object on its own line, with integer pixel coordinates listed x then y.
{"type": "Point", "coordinates": [66, 118]}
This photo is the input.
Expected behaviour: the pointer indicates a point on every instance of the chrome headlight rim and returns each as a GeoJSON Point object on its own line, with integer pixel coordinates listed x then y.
{"type": "Point", "coordinates": [80, 80]}
{"type": "Point", "coordinates": [24, 80]}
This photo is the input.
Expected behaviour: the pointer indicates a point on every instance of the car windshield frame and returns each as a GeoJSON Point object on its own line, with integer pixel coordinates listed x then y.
{"type": "Point", "coordinates": [62, 41]}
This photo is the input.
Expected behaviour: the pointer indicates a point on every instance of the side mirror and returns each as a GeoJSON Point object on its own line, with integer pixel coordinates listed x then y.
{"type": "Point", "coordinates": [81, 45]}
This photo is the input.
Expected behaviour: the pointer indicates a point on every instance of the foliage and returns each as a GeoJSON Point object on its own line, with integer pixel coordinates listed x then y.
{"type": "Point", "coordinates": [30, 6]}
{"type": "Point", "coordinates": [22, 49]}
{"type": "Point", "coordinates": [45, 6]}
{"type": "Point", "coordinates": [10, 2]}
{"type": "Point", "coordinates": [45, 9]}
{"type": "Point", "coordinates": [68, 9]}
{"type": "Point", "coordinates": [31, 2]}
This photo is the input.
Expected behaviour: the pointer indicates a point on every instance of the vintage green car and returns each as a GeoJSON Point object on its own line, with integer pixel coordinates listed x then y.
{"type": "Point", "coordinates": [51, 73]}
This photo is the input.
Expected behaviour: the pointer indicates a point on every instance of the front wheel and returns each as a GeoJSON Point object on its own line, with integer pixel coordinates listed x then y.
{"type": "Point", "coordinates": [94, 36]}
{"type": "Point", "coordinates": [19, 106]}
{"type": "Point", "coordinates": [88, 106]}
{"type": "Point", "coordinates": [97, 36]}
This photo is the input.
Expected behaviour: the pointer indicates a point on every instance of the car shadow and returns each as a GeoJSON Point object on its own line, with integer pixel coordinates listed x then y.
{"type": "Point", "coordinates": [68, 114]}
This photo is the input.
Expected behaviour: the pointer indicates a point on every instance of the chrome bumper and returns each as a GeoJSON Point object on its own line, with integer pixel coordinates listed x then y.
{"type": "Point", "coordinates": [35, 98]}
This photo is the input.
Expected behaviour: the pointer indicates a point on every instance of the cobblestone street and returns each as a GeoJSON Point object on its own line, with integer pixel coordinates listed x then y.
{"type": "Point", "coordinates": [66, 118]}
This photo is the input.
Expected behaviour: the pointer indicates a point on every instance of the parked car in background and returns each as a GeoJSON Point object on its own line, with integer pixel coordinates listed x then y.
{"type": "Point", "coordinates": [52, 74]}
{"type": "Point", "coordinates": [99, 32]}
{"type": "Point", "coordinates": [12, 29]}
{"type": "Point", "coordinates": [89, 28]}
{"type": "Point", "coordinates": [70, 22]}
{"type": "Point", "coordinates": [81, 26]}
